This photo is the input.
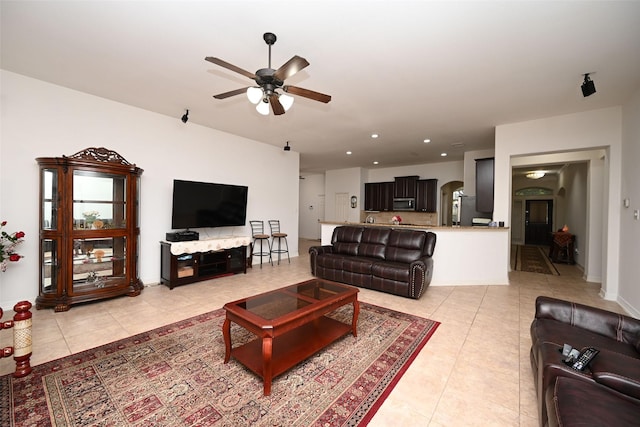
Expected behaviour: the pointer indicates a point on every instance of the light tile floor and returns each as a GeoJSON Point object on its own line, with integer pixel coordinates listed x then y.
{"type": "Point", "coordinates": [475, 370]}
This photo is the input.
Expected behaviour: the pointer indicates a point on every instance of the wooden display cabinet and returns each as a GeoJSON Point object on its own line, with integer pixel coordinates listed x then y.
{"type": "Point", "coordinates": [89, 228]}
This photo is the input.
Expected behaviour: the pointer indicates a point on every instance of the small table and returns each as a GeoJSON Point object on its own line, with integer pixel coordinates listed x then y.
{"type": "Point", "coordinates": [562, 247]}
{"type": "Point", "coordinates": [290, 324]}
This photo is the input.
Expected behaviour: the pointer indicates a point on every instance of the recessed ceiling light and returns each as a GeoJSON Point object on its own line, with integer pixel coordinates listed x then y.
{"type": "Point", "coordinates": [376, 162]}
{"type": "Point", "coordinates": [443, 154]}
{"type": "Point", "coordinates": [374, 135]}
{"type": "Point", "coordinates": [349, 153]}
{"type": "Point", "coordinates": [426, 141]}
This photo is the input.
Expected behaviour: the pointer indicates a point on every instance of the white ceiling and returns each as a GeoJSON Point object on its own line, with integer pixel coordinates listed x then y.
{"type": "Point", "coordinates": [408, 70]}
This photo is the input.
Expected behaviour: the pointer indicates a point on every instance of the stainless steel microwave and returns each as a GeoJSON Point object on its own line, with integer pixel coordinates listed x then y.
{"type": "Point", "coordinates": [404, 204]}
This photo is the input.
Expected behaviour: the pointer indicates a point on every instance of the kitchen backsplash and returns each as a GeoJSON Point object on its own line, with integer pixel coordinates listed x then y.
{"type": "Point", "coordinates": [417, 218]}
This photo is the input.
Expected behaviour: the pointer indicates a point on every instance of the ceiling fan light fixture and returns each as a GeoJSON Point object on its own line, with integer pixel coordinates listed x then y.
{"type": "Point", "coordinates": [254, 94]}
{"type": "Point", "coordinates": [263, 107]}
{"type": "Point", "coordinates": [535, 175]}
{"type": "Point", "coordinates": [286, 101]}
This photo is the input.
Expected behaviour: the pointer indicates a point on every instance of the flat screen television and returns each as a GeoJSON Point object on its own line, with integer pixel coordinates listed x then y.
{"type": "Point", "coordinates": [204, 204]}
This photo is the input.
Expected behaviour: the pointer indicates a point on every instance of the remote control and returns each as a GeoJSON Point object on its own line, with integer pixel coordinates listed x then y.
{"type": "Point", "coordinates": [587, 356]}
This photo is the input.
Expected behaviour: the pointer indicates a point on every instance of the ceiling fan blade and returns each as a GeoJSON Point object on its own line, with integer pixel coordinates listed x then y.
{"type": "Point", "coordinates": [231, 67]}
{"type": "Point", "coordinates": [316, 96]}
{"type": "Point", "coordinates": [276, 105]}
{"type": "Point", "coordinates": [290, 67]}
{"type": "Point", "coordinates": [231, 93]}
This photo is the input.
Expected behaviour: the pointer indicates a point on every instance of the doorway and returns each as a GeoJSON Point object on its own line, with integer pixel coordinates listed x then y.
{"type": "Point", "coordinates": [538, 222]}
{"type": "Point", "coordinates": [450, 194]}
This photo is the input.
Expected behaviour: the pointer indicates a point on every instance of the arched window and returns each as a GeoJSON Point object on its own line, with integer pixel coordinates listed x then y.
{"type": "Point", "coordinates": [534, 191]}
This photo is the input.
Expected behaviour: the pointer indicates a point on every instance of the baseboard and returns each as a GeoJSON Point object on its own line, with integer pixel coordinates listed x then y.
{"type": "Point", "coordinates": [633, 312]}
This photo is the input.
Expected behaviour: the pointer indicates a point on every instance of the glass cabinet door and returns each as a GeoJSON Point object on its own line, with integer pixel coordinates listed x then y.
{"type": "Point", "coordinates": [49, 186]}
{"type": "Point", "coordinates": [98, 263]}
{"type": "Point", "coordinates": [49, 268]}
{"type": "Point", "coordinates": [99, 200]}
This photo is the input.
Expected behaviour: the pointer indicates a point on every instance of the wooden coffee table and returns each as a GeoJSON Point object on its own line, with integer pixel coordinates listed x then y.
{"type": "Point", "coordinates": [290, 324]}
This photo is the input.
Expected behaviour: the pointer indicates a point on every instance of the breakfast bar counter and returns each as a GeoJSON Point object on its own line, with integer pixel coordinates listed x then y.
{"type": "Point", "coordinates": [463, 255]}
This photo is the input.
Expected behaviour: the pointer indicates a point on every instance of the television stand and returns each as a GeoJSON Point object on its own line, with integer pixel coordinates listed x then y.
{"type": "Point", "coordinates": [193, 261]}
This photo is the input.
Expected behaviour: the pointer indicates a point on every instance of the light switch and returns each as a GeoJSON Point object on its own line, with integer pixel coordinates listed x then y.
{"type": "Point", "coordinates": [636, 214]}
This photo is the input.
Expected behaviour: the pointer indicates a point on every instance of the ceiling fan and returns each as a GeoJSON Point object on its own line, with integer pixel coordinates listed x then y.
{"type": "Point", "coordinates": [268, 81]}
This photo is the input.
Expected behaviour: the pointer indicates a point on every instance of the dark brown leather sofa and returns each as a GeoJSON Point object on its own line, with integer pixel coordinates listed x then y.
{"type": "Point", "coordinates": [397, 261]}
{"type": "Point", "coordinates": [608, 390]}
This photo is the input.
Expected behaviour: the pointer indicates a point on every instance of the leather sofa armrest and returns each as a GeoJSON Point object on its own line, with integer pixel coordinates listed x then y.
{"type": "Point", "coordinates": [617, 371]}
{"type": "Point", "coordinates": [607, 323]}
{"type": "Point", "coordinates": [314, 251]}
{"type": "Point", "coordinates": [420, 273]}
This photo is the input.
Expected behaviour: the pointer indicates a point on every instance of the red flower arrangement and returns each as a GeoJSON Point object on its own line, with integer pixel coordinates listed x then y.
{"type": "Point", "coordinates": [397, 219]}
{"type": "Point", "coordinates": [8, 243]}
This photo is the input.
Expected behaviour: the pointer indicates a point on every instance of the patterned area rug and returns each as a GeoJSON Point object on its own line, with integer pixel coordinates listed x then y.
{"type": "Point", "coordinates": [175, 376]}
{"type": "Point", "coordinates": [534, 259]}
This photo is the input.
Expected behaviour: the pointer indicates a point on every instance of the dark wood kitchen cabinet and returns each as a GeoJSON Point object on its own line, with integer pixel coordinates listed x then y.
{"type": "Point", "coordinates": [371, 196]}
{"type": "Point", "coordinates": [426, 195]}
{"type": "Point", "coordinates": [484, 184]}
{"type": "Point", "coordinates": [378, 196]}
{"type": "Point", "coordinates": [405, 186]}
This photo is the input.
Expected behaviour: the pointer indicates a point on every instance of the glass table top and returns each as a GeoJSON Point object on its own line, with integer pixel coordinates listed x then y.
{"type": "Point", "coordinates": [283, 301]}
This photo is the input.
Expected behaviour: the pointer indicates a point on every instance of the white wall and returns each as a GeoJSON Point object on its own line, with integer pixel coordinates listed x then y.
{"type": "Point", "coordinates": [340, 181]}
{"type": "Point", "coordinates": [44, 120]}
{"type": "Point", "coordinates": [575, 181]}
{"type": "Point", "coordinates": [581, 131]}
{"type": "Point", "coordinates": [630, 189]}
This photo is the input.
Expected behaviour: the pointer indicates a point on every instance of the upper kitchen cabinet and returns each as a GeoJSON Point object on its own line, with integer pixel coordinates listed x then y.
{"type": "Point", "coordinates": [484, 184]}
{"type": "Point", "coordinates": [405, 187]}
{"type": "Point", "coordinates": [378, 196]}
{"type": "Point", "coordinates": [426, 195]}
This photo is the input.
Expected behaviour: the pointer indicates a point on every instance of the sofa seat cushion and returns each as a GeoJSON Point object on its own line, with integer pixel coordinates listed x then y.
{"type": "Point", "coordinates": [560, 333]}
{"type": "Point", "coordinates": [391, 270]}
{"type": "Point", "coordinates": [571, 402]}
{"type": "Point", "coordinates": [359, 265]}
{"type": "Point", "coordinates": [330, 261]}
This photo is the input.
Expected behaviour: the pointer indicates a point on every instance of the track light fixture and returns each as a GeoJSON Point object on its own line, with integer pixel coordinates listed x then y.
{"type": "Point", "coordinates": [588, 87]}
{"type": "Point", "coordinates": [185, 117]}
{"type": "Point", "coordinates": [286, 147]}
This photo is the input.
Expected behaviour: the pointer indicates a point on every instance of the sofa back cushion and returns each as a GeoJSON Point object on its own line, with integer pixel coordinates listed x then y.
{"type": "Point", "coordinates": [405, 245]}
{"type": "Point", "coordinates": [345, 240]}
{"type": "Point", "coordinates": [374, 242]}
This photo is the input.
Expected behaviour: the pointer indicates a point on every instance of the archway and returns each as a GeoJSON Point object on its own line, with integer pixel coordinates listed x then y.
{"type": "Point", "coordinates": [450, 203]}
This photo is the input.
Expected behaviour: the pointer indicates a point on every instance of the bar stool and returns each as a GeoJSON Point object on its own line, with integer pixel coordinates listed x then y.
{"type": "Point", "coordinates": [257, 232]}
{"type": "Point", "coordinates": [274, 224]}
